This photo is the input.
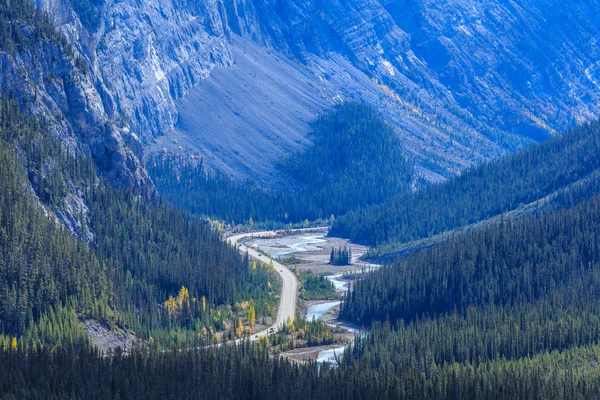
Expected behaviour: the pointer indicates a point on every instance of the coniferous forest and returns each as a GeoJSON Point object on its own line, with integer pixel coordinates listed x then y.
{"type": "Point", "coordinates": [340, 256]}
{"type": "Point", "coordinates": [483, 191]}
{"type": "Point", "coordinates": [354, 161]}
{"type": "Point", "coordinates": [141, 254]}
{"type": "Point", "coordinates": [508, 309]}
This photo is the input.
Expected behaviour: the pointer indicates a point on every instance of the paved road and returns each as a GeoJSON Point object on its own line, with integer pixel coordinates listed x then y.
{"type": "Point", "coordinates": [289, 287]}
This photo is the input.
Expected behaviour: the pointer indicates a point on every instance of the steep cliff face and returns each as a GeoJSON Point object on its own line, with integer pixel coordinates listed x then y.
{"type": "Point", "coordinates": [52, 80]}
{"type": "Point", "coordinates": [153, 53]}
{"type": "Point", "coordinates": [461, 80]}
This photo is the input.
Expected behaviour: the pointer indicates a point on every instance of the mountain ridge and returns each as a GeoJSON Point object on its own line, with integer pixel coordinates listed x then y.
{"type": "Point", "coordinates": [448, 76]}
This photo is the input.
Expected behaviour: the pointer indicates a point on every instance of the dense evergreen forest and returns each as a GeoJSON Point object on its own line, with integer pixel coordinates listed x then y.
{"type": "Point", "coordinates": [248, 372]}
{"type": "Point", "coordinates": [140, 255]}
{"type": "Point", "coordinates": [355, 161]}
{"type": "Point", "coordinates": [481, 192]}
{"type": "Point", "coordinates": [510, 264]}
{"type": "Point", "coordinates": [508, 310]}
{"type": "Point", "coordinates": [500, 295]}
{"type": "Point", "coordinates": [191, 186]}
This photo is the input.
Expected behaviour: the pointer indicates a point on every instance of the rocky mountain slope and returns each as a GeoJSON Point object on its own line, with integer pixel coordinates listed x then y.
{"type": "Point", "coordinates": [462, 81]}
{"type": "Point", "coordinates": [54, 80]}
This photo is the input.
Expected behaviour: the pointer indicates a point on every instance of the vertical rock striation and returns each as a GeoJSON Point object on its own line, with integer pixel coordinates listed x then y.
{"type": "Point", "coordinates": [461, 80]}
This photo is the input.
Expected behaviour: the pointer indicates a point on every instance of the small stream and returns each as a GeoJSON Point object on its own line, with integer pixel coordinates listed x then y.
{"type": "Point", "coordinates": [317, 311]}
{"type": "Point", "coordinates": [301, 244]}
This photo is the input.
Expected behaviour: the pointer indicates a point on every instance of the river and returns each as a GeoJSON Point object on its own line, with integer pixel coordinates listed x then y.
{"type": "Point", "coordinates": [311, 243]}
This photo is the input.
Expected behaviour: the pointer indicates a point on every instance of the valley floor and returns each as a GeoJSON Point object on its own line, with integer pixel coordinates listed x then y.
{"type": "Point", "coordinates": [308, 251]}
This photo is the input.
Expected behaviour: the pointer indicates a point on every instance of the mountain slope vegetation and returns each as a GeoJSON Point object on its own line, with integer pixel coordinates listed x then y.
{"type": "Point", "coordinates": [479, 193]}
{"type": "Point", "coordinates": [508, 310]}
{"type": "Point", "coordinates": [355, 161]}
{"type": "Point", "coordinates": [139, 254]}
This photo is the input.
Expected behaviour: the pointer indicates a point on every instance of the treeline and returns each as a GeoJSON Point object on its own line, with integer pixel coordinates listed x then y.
{"type": "Point", "coordinates": [479, 193]}
{"type": "Point", "coordinates": [138, 256]}
{"type": "Point", "coordinates": [513, 263]}
{"type": "Point", "coordinates": [356, 160]}
{"type": "Point", "coordinates": [189, 185]}
{"type": "Point", "coordinates": [248, 372]}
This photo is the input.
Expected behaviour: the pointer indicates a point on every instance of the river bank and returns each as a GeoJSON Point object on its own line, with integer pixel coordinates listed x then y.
{"type": "Point", "coordinates": [309, 251]}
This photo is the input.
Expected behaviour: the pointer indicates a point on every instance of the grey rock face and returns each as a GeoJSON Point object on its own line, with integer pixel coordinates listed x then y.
{"type": "Point", "coordinates": [57, 84]}
{"type": "Point", "coordinates": [50, 85]}
{"type": "Point", "coordinates": [152, 53]}
{"type": "Point", "coordinates": [462, 81]}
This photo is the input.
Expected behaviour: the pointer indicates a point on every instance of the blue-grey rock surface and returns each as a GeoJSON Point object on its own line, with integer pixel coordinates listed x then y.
{"type": "Point", "coordinates": [238, 81]}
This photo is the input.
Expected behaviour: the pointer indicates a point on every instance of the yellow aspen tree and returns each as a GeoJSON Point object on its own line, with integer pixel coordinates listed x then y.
{"type": "Point", "coordinates": [204, 303]}
{"type": "Point", "coordinates": [290, 323]}
{"type": "Point", "coordinates": [251, 315]}
{"type": "Point", "coordinates": [13, 343]}
{"type": "Point", "coordinates": [170, 304]}
{"type": "Point", "coordinates": [184, 296]}
{"type": "Point", "coordinates": [254, 265]}
{"type": "Point", "coordinates": [240, 328]}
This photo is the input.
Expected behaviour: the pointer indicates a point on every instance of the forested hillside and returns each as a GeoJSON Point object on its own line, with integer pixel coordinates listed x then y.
{"type": "Point", "coordinates": [138, 255]}
{"type": "Point", "coordinates": [505, 293]}
{"type": "Point", "coordinates": [514, 263]}
{"type": "Point", "coordinates": [250, 373]}
{"type": "Point", "coordinates": [481, 192]}
{"type": "Point", "coordinates": [355, 161]}
{"type": "Point", "coordinates": [508, 308]}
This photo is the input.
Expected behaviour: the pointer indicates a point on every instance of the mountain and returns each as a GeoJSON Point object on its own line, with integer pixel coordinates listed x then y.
{"type": "Point", "coordinates": [354, 161]}
{"type": "Point", "coordinates": [556, 173]}
{"type": "Point", "coordinates": [497, 297]}
{"type": "Point", "coordinates": [83, 239]}
{"type": "Point", "coordinates": [461, 81]}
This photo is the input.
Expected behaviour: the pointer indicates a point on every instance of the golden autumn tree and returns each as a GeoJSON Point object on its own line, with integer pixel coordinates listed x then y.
{"type": "Point", "coordinates": [171, 304]}
{"type": "Point", "coordinates": [13, 343]}
{"type": "Point", "coordinates": [204, 303]}
{"type": "Point", "coordinates": [251, 315]}
{"type": "Point", "coordinates": [176, 304]}
{"type": "Point", "coordinates": [184, 297]}
{"type": "Point", "coordinates": [240, 328]}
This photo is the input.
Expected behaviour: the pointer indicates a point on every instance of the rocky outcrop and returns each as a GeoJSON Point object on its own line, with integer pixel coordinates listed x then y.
{"type": "Point", "coordinates": [60, 90]}
{"type": "Point", "coordinates": [57, 83]}
{"type": "Point", "coordinates": [153, 53]}
{"type": "Point", "coordinates": [461, 80]}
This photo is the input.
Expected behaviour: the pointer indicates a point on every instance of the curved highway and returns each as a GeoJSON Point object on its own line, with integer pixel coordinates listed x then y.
{"type": "Point", "coordinates": [289, 286]}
